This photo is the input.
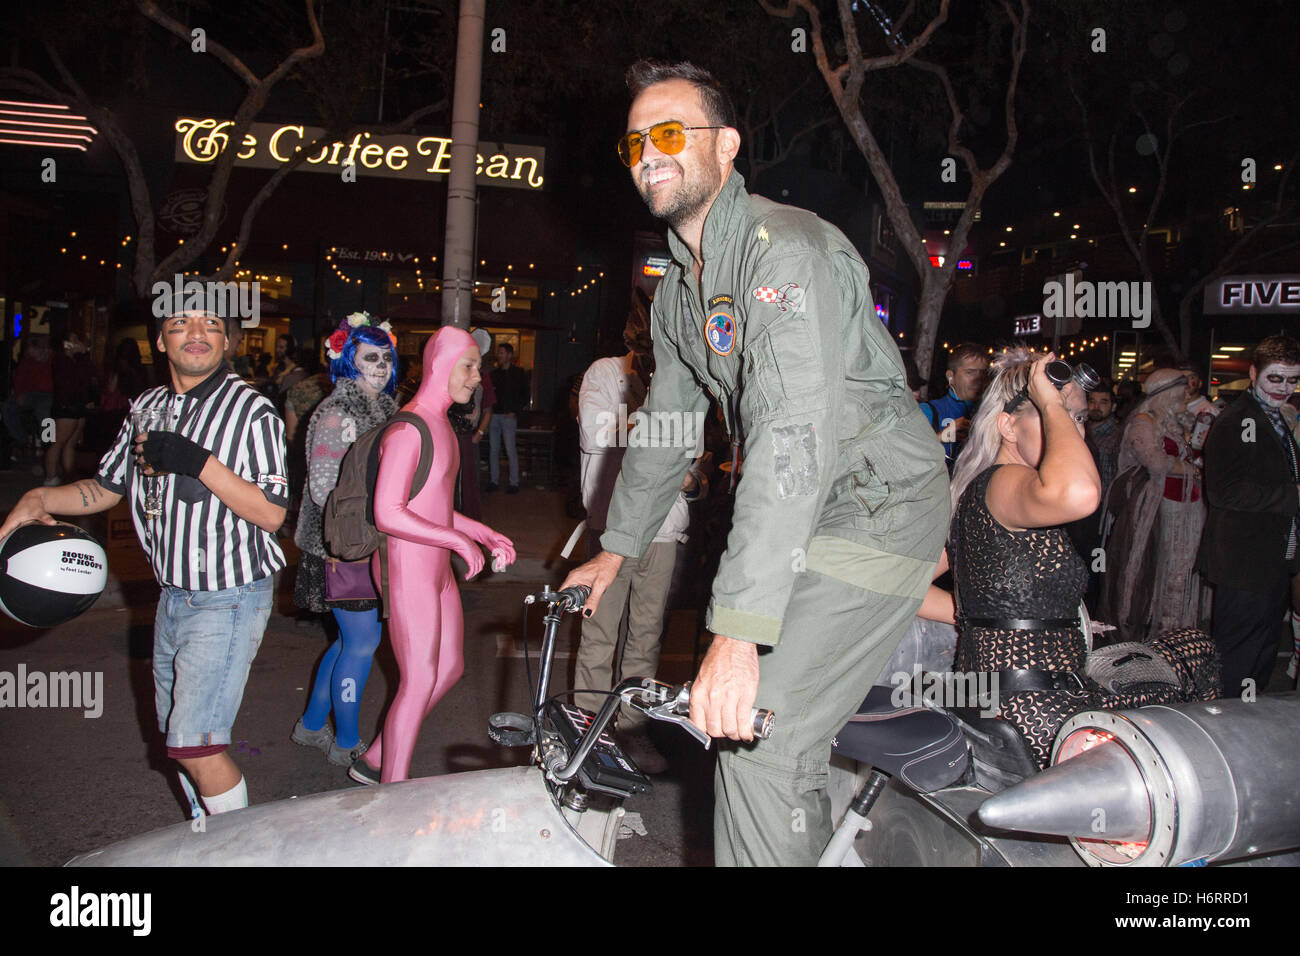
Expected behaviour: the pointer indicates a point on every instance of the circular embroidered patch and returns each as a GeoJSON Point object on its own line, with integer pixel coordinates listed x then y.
{"type": "Point", "coordinates": [720, 331]}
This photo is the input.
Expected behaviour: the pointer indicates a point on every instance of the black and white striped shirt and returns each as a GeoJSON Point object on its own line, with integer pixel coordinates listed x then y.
{"type": "Point", "coordinates": [198, 543]}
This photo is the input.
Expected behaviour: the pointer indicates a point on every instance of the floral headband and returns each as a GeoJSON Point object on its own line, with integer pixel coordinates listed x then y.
{"type": "Point", "coordinates": [335, 343]}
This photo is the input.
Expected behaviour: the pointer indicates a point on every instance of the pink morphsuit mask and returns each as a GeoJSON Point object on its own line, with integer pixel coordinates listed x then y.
{"type": "Point", "coordinates": [426, 624]}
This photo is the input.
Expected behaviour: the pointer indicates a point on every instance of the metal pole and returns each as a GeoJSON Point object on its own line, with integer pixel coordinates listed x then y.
{"type": "Point", "coordinates": [383, 69]}
{"type": "Point", "coordinates": [458, 251]}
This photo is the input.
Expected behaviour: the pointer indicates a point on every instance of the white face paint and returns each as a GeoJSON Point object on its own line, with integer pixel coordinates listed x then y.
{"type": "Point", "coordinates": [1274, 385]}
{"type": "Point", "coordinates": [374, 367]}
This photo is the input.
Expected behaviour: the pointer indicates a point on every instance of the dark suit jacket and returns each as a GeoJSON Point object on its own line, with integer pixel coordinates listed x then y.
{"type": "Point", "coordinates": [1250, 501]}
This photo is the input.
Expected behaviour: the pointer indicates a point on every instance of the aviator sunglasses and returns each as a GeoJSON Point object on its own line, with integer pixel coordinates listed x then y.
{"type": "Point", "coordinates": [669, 138]}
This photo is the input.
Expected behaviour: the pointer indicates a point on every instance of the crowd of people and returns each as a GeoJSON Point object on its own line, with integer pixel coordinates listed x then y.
{"type": "Point", "coordinates": [1033, 492]}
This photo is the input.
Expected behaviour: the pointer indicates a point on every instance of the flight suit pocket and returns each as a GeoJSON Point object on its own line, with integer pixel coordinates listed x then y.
{"type": "Point", "coordinates": [787, 367]}
{"type": "Point", "coordinates": [858, 500]}
{"type": "Point", "coordinates": [870, 502]}
{"type": "Point", "coordinates": [870, 488]}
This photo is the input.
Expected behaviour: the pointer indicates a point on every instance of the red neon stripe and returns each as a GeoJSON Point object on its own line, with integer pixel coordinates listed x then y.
{"type": "Point", "coordinates": [46, 115]}
{"type": "Point", "coordinates": [29, 142]}
{"type": "Point", "coordinates": [17, 122]}
{"type": "Point", "coordinates": [44, 106]}
{"type": "Point", "coordinates": [21, 132]}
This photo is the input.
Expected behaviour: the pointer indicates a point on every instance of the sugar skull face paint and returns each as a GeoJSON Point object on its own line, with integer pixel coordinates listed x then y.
{"type": "Point", "coordinates": [1275, 383]}
{"type": "Point", "coordinates": [375, 366]}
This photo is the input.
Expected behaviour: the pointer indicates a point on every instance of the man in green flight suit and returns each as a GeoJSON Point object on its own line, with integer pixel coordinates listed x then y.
{"type": "Point", "coordinates": [842, 509]}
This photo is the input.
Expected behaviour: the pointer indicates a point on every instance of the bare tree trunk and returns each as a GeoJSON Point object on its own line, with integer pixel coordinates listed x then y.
{"type": "Point", "coordinates": [845, 83]}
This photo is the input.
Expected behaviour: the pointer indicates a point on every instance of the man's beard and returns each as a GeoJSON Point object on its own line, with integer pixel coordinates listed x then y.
{"type": "Point", "coordinates": [693, 194]}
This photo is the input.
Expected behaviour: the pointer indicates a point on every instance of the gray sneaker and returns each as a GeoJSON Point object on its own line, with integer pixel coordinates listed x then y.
{"type": "Point", "coordinates": [322, 740]}
{"type": "Point", "coordinates": [345, 758]}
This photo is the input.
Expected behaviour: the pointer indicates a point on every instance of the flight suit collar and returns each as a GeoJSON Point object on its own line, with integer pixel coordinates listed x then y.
{"type": "Point", "coordinates": [726, 214]}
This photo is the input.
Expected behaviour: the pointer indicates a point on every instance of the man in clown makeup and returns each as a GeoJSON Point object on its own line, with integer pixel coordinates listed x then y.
{"type": "Point", "coordinates": [1252, 490]}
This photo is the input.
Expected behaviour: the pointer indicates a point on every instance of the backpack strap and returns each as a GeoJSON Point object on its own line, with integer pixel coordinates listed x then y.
{"type": "Point", "coordinates": [422, 467]}
{"type": "Point", "coordinates": [417, 485]}
{"type": "Point", "coordinates": [426, 448]}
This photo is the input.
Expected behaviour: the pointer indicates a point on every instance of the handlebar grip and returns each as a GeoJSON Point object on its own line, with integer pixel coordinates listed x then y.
{"type": "Point", "coordinates": [575, 597]}
{"type": "Point", "coordinates": [762, 720]}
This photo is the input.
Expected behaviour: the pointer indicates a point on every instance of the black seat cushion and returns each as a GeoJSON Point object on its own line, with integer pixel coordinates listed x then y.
{"type": "Point", "coordinates": [1001, 754]}
{"type": "Point", "coordinates": [921, 746]}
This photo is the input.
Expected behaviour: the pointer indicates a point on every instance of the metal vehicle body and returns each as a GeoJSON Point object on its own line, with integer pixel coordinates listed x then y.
{"type": "Point", "coordinates": [563, 809]}
{"type": "Point", "coordinates": [1194, 783]}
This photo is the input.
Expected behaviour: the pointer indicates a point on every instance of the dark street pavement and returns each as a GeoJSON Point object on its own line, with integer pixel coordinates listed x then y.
{"type": "Point", "coordinates": [73, 783]}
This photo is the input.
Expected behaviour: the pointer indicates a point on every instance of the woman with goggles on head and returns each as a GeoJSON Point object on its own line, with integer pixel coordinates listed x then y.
{"type": "Point", "coordinates": [1024, 474]}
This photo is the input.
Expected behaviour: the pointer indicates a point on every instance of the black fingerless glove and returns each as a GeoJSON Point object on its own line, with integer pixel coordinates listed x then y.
{"type": "Point", "coordinates": [167, 451]}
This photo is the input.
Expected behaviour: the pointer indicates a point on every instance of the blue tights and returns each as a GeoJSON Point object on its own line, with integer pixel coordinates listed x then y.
{"type": "Point", "coordinates": [342, 676]}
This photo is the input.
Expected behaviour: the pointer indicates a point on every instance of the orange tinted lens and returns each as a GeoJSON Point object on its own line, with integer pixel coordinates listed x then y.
{"type": "Point", "coordinates": [629, 148]}
{"type": "Point", "coordinates": [669, 138]}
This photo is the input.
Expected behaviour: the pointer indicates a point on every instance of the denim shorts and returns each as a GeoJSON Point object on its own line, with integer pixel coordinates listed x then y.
{"type": "Point", "coordinates": [203, 645]}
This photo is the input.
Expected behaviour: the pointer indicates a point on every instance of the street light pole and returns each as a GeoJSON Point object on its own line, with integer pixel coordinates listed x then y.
{"type": "Point", "coordinates": [458, 250]}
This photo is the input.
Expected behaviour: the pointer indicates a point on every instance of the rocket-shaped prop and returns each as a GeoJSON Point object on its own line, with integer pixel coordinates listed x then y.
{"type": "Point", "coordinates": [1161, 786]}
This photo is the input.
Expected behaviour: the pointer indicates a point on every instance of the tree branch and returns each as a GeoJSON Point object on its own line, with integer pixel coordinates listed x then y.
{"type": "Point", "coordinates": [1229, 259]}
{"type": "Point", "coordinates": [137, 183]}
{"type": "Point", "coordinates": [231, 62]}
{"type": "Point", "coordinates": [252, 104]}
{"type": "Point", "coordinates": [269, 187]}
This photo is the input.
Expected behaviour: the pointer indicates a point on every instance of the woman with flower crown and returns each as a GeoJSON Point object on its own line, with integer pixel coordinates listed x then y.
{"type": "Point", "coordinates": [363, 365]}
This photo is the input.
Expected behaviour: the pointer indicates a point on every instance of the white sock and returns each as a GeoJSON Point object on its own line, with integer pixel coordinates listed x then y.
{"type": "Point", "coordinates": [236, 798]}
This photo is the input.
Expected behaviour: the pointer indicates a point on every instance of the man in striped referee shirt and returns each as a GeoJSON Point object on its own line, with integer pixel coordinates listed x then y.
{"type": "Point", "coordinates": [213, 548]}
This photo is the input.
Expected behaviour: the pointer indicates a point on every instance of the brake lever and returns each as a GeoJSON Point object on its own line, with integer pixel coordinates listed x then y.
{"type": "Point", "coordinates": [667, 703]}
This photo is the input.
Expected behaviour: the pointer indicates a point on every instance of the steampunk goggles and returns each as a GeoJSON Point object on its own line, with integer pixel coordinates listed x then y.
{"type": "Point", "coordinates": [669, 138]}
{"type": "Point", "coordinates": [1059, 374]}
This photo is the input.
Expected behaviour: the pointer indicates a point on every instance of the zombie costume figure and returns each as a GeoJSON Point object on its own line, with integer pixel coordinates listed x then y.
{"type": "Point", "coordinates": [426, 623]}
{"type": "Point", "coordinates": [1252, 487]}
{"type": "Point", "coordinates": [1150, 584]}
{"type": "Point", "coordinates": [840, 515]}
{"type": "Point", "coordinates": [363, 366]}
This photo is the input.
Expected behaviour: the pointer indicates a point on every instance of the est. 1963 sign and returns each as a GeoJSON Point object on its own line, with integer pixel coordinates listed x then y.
{"type": "Point", "coordinates": [269, 146]}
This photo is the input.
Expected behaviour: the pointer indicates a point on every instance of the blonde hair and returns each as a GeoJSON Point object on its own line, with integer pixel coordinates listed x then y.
{"type": "Point", "coordinates": [1164, 400]}
{"type": "Point", "coordinates": [1010, 376]}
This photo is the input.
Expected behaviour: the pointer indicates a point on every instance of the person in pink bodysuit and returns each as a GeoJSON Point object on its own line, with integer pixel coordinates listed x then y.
{"type": "Point", "coordinates": [426, 624]}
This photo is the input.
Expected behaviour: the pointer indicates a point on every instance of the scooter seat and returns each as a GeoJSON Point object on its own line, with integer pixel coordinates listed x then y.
{"type": "Point", "coordinates": [921, 746]}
